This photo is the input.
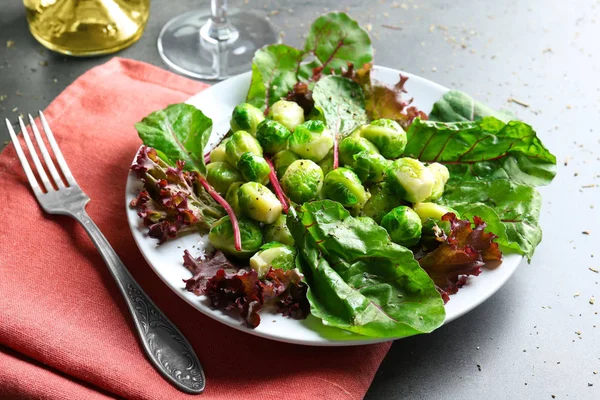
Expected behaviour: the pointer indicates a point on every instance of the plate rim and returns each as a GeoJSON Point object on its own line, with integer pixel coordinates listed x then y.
{"type": "Point", "coordinates": [358, 340]}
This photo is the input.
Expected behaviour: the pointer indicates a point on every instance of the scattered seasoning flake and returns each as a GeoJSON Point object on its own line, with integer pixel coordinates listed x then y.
{"type": "Point", "coordinates": [590, 384]}
{"type": "Point", "coordinates": [576, 294]}
{"type": "Point", "coordinates": [392, 27]}
{"type": "Point", "coordinates": [592, 300]}
{"type": "Point", "coordinates": [43, 63]}
{"type": "Point", "coordinates": [593, 269]}
{"type": "Point", "coordinates": [578, 333]}
{"type": "Point", "coordinates": [588, 186]}
{"type": "Point", "coordinates": [369, 27]}
{"type": "Point", "coordinates": [15, 109]}
{"type": "Point", "coordinates": [586, 232]}
{"type": "Point", "coordinates": [479, 367]}
{"type": "Point", "coordinates": [517, 101]}
{"type": "Point", "coordinates": [553, 396]}
{"type": "Point", "coordinates": [10, 43]}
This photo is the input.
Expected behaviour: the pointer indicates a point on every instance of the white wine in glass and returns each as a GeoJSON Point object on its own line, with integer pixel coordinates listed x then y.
{"type": "Point", "coordinates": [214, 43]}
{"type": "Point", "coordinates": [87, 27]}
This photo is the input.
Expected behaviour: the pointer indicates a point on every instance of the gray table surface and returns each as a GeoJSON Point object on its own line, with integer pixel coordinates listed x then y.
{"type": "Point", "coordinates": [537, 336]}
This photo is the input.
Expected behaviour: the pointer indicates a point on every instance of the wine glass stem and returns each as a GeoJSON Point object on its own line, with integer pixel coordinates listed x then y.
{"type": "Point", "coordinates": [217, 28]}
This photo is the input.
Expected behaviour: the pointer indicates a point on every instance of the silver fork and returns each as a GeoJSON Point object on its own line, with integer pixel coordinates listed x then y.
{"type": "Point", "coordinates": [164, 344]}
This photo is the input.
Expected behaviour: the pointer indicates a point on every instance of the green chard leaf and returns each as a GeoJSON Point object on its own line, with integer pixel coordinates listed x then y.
{"type": "Point", "coordinates": [274, 74]}
{"type": "Point", "coordinates": [178, 132]}
{"type": "Point", "coordinates": [457, 106]}
{"type": "Point", "coordinates": [517, 207]}
{"type": "Point", "coordinates": [341, 102]}
{"type": "Point", "coordinates": [334, 40]}
{"type": "Point", "coordinates": [484, 149]}
{"type": "Point", "coordinates": [358, 279]}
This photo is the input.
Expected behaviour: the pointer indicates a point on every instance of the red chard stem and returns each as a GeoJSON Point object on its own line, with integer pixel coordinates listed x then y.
{"type": "Point", "coordinates": [237, 237]}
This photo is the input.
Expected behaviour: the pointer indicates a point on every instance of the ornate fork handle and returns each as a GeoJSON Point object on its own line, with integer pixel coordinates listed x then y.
{"type": "Point", "coordinates": [164, 344]}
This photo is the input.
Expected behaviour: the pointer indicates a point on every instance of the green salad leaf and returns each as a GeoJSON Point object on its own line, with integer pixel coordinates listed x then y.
{"type": "Point", "coordinates": [178, 132]}
{"type": "Point", "coordinates": [517, 207]}
{"type": "Point", "coordinates": [333, 41]}
{"type": "Point", "coordinates": [457, 106]}
{"type": "Point", "coordinates": [358, 279]}
{"type": "Point", "coordinates": [484, 149]}
{"type": "Point", "coordinates": [341, 102]}
{"type": "Point", "coordinates": [274, 74]}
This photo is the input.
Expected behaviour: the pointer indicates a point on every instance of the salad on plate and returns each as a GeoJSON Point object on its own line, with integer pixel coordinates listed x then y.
{"type": "Point", "coordinates": [332, 195]}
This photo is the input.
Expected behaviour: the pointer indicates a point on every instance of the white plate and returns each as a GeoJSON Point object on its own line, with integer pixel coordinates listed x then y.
{"type": "Point", "coordinates": [217, 103]}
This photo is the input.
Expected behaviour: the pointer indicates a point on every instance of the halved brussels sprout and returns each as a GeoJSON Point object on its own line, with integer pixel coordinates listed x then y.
{"type": "Point", "coordinates": [221, 237]}
{"type": "Point", "coordinates": [272, 136]}
{"type": "Point", "coordinates": [403, 225]}
{"type": "Point", "coordinates": [282, 160]}
{"type": "Point", "coordinates": [246, 117]}
{"type": "Point", "coordinates": [221, 175]}
{"type": "Point", "coordinates": [352, 145]}
{"type": "Point", "coordinates": [279, 232]}
{"type": "Point", "coordinates": [311, 140]}
{"type": "Point", "coordinates": [410, 179]}
{"type": "Point", "coordinates": [370, 167]}
{"type": "Point", "coordinates": [342, 185]}
{"type": "Point", "coordinates": [432, 211]}
{"type": "Point", "coordinates": [218, 154]}
{"type": "Point", "coordinates": [287, 113]}
{"type": "Point", "coordinates": [232, 197]}
{"type": "Point", "coordinates": [387, 135]}
{"type": "Point", "coordinates": [381, 202]}
{"type": "Point", "coordinates": [441, 175]}
{"type": "Point", "coordinates": [273, 255]}
{"type": "Point", "coordinates": [254, 168]}
{"type": "Point", "coordinates": [258, 202]}
{"type": "Point", "coordinates": [240, 143]}
{"type": "Point", "coordinates": [302, 181]}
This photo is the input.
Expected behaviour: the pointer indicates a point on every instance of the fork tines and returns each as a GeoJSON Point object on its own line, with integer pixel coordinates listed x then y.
{"type": "Point", "coordinates": [47, 183]}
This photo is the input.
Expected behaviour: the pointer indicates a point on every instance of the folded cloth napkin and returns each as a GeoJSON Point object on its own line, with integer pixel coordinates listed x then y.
{"type": "Point", "coordinates": [64, 329]}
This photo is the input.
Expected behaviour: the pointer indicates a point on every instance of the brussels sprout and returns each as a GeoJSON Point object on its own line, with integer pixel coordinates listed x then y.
{"type": "Point", "coordinates": [403, 226]}
{"type": "Point", "coordinates": [432, 211]}
{"type": "Point", "coordinates": [326, 164]}
{"type": "Point", "coordinates": [221, 175]}
{"type": "Point", "coordinates": [254, 168]}
{"type": "Point", "coordinates": [287, 113]}
{"type": "Point", "coordinates": [221, 237]}
{"type": "Point", "coordinates": [441, 175]}
{"type": "Point", "coordinates": [352, 145]}
{"type": "Point", "coordinates": [258, 202]}
{"type": "Point", "coordinates": [279, 232]}
{"type": "Point", "coordinates": [342, 185]}
{"type": "Point", "coordinates": [239, 143]}
{"type": "Point", "coordinates": [370, 167]}
{"type": "Point", "coordinates": [218, 154]}
{"type": "Point", "coordinates": [302, 181]}
{"type": "Point", "coordinates": [246, 117]}
{"type": "Point", "coordinates": [382, 201]}
{"type": "Point", "coordinates": [232, 197]}
{"type": "Point", "coordinates": [272, 136]}
{"type": "Point", "coordinates": [282, 160]}
{"type": "Point", "coordinates": [410, 179]}
{"type": "Point", "coordinates": [387, 135]}
{"type": "Point", "coordinates": [311, 140]}
{"type": "Point", "coordinates": [273, 255]}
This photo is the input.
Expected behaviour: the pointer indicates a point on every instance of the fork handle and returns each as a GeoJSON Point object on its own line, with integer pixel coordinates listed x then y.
{"type": "Point", "coordinates": [165, 345]}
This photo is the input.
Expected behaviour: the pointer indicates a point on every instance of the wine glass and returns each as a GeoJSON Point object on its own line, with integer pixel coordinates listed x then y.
{"type": "Point", "coordinates": [214, 44]}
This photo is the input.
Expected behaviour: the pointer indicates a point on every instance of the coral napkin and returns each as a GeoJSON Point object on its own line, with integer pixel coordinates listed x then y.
{"type": "Point", "coordinates": [64, 329]}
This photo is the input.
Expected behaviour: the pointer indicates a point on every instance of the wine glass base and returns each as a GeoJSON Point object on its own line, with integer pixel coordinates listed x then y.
{"type": "Point", "coordinates": [181, 46]}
